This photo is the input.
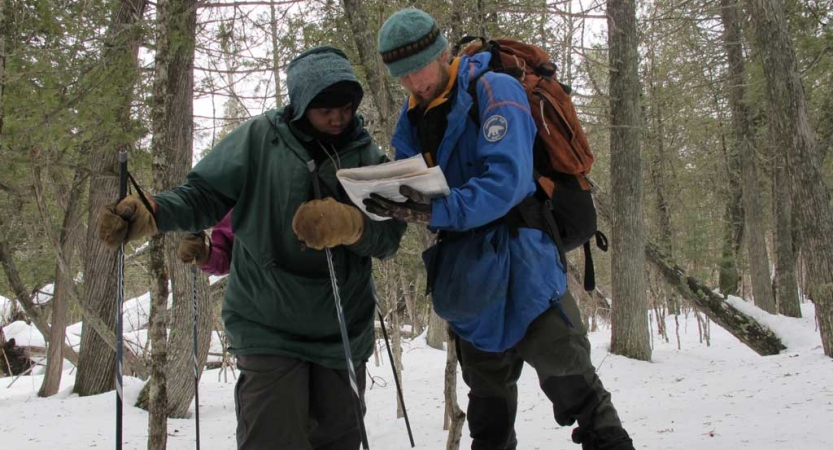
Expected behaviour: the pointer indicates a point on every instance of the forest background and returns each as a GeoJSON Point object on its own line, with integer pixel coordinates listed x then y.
{"type": "Point", "coordinates": [711, 122]}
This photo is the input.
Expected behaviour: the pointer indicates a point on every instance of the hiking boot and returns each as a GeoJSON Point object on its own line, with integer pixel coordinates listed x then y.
{"type": "Point", "coordinates": [611, 438]}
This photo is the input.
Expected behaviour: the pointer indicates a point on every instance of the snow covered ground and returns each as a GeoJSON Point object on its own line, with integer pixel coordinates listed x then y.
{"type": "Point", "coordinates": [722, 397]}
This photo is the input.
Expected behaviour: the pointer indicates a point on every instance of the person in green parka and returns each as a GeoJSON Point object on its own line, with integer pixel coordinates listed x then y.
{"type": "Point", "coordinates": [279, 314]}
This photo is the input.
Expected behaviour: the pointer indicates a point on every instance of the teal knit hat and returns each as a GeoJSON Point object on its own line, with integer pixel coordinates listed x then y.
{"type": "Point", "coordinates": [409, 40]}
{"type": "Point", "coordinates": [312, 72]}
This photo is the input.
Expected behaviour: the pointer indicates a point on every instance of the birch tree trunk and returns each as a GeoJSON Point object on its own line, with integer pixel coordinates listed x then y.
{"type": "Point", "coordinates": [629, 318]}
{"type": "Point", "coordinates": [756, 248]}
{"type": "Point", "coordinates": [790, 126]}
{"type": "Point", "coordinates": [96, 362]}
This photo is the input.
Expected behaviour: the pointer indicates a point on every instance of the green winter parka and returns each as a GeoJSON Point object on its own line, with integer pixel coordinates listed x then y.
{"type": "Point", "coordinates": [279, 298]}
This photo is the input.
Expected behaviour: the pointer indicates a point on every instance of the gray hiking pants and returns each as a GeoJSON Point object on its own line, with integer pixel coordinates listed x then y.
{"type": "Point", "coordinates": [556, 346]}
{"type": "Point", "coordinates": [288, 404]}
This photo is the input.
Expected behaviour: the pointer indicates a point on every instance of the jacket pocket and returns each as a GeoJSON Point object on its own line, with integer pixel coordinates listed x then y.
{"type": "Point", "coordinates": [469, 274]}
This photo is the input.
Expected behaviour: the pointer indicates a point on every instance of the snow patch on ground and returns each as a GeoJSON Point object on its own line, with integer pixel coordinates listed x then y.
{"type": "Point", "coordinates": [717, 397]}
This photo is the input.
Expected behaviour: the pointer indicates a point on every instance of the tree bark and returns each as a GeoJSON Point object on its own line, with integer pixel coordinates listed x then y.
{"type": "Point", "coordinates": [756, 336]}
{"type": "Point", "coordinates": [629, 318]}
{"type": "Point", "coordinates": [729, 278]}
{"type": "Point", "coordinates": [276, 54]}
{"type": "Point", "coordinates": [96, 362]}
{"type": "Point", "coordinates": [455, 418]}
{"type": "Point", "coordinates": [172, 149]}
{"type": "Point", "coordinates": [658, 168]}
{"type": "Point", "coordinates": [786, 284]}
{"type": "Point", "coordinates": [790, 126]}
{"type": "Point", "coordinates": [2, 67]}
{"type": "Point", "coordinates": [380, 89]}
{"type": "Point", "coordinates": [756, 248]}
{"type": "Point", "coordinates": [25, 300]}
{"type": "Point", "coordinates": [154, 397]}
{"type": "Point", "coordinates": [63, 285]}
{"type": "Point", "coordinates": [455, 28]}
{"type": "Point", "coordinates": [436, 335]}
{"type": "Point", "coordinates": [396, 335]}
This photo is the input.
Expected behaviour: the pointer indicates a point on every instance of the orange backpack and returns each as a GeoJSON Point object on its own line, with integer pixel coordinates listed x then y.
{"type": "Point", "coordinates": [561, 155]}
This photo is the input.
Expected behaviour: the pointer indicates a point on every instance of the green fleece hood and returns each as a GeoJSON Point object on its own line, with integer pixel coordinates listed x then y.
{"type": "Point", "coordinates": [314, 70]}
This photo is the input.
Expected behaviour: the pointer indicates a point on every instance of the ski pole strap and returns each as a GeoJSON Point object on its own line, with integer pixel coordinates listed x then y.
{"type": "Point", "coordinates": [141, 194]}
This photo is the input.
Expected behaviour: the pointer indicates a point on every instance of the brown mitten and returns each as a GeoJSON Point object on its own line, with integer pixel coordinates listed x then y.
{"type": "Point", "coordinates": [328, 223]}
{"type": "Point", "coordinates": [194, 248]}
{"type": "Point", "coordinates": [125, 221]}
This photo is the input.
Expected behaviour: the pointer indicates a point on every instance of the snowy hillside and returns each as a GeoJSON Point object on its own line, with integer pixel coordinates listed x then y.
{"type": "Point", "coordinates": [722, 397]}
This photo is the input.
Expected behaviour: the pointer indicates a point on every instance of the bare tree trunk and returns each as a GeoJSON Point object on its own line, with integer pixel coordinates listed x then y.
{"type": "Point", "coordinates": [131, 363]}
{"type": "Point", "coordinates": [455, 28]}
{"type": "Point", "coordinates": [658, 169]}
{"type": "Point", "coordinates": [757, 256]}
{"type": "Point", "coordinates": [60, 298]}
{"type": "Point", "coordinates": [455, 418]}
{"type": "Point", "coordinates": [436, 331]}
{"type": "Point", "coordinates": [756, 336]}
{"type": "Point", "coordinates": [786, 284]}
{"type": "Point", "coordinates": [791, 128]}
{"type": "Point", "coordinates": [729, 279]}
{"type": "Point", "coordinates": [25, 300]}
{"type": "Point", "coordinates": [481, 19]}
{"type": "Point", "coordinates": [276, 54]}
{"type": "Point", "coordinates": [629, 318]}
{"type": "Point", "coordinates": [380, 89]}
{"type": "Point", "coordinates": [96, 362]}
{"type": "Point", "coordinates": [396, 338]}
{"type": "Point", "coordinates": [173, 146]}
{"type": "Point", "coordinates": [155, 396]}
{"type": "Point", "coordinates": [2, 67]}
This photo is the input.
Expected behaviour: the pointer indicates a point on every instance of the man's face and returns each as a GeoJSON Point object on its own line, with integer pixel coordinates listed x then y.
{"type": "Point", "coordinates": [427, 83]}
{"type": "Point", "coordinates": [332, 121]}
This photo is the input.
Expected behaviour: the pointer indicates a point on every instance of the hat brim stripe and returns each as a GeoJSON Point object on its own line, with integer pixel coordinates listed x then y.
{"type": "Point", "coordinates": [411, 48]}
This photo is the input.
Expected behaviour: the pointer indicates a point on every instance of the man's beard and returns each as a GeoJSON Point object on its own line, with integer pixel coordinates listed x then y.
{"type": "Point", "coordinates": [438, 89]}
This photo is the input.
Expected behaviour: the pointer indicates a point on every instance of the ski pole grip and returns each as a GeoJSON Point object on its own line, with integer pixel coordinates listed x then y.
{"type": "Point", "coordinates": [122, 174]}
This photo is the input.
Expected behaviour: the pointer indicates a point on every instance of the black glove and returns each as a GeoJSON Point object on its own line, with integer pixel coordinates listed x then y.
{"type": "Point", "coordinates": [417, 209]}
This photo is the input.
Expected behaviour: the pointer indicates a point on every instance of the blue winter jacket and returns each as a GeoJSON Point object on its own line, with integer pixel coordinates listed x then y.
{"type": "Point", "coordinates": [488, 285]}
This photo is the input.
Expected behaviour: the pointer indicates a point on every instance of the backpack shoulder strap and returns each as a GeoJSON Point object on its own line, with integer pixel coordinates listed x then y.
{"type": "Point", "coordinates": [474, 111]}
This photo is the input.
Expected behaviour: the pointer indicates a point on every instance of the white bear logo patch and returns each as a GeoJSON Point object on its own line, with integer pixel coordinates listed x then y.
{"type": "Point", "coordinates": [495, 128]}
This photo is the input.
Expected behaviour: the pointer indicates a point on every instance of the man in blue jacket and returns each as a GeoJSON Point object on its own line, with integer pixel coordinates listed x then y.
{"type": "Point", "coordinates": [500, 286]}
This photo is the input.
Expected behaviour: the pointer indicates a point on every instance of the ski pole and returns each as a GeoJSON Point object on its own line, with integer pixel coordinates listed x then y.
{"type": "Point", "coordinates": [393, 365]}
{"type": "Point", "coordinates": [196, 363]}
{"type": "Point", "coordinates": [345, 340]}
{"type": "Point", "coordinates": [120, 304]}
